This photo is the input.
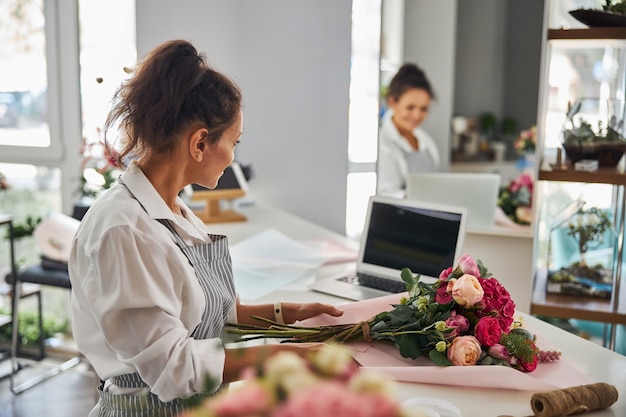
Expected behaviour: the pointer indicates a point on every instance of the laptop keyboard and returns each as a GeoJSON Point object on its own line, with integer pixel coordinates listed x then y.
{"type": "Point", "coordinates": [379, 283]}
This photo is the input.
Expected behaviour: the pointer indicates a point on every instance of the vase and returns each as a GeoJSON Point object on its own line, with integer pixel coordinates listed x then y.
{"type": "Point", "coordinates": [594, 129]}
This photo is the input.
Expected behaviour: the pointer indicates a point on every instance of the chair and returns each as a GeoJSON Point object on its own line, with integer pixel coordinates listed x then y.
{"type": "Point", "coordinates": [35, 274]}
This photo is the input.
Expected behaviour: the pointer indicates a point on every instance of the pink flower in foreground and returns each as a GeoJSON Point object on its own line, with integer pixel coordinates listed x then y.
{"type": "Point", "coordinates": [468, 265]}
{"type": "Point", "coordinates": [250, 399]}
{"type": "Point", "coordinates": [333, 399]}
{"type": "Point", "coordinates": [464, 351]}
{"type": "Point", "coordinates": [467, 291]}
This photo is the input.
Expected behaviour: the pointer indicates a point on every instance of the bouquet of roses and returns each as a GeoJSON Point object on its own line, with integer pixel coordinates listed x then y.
{"type": "Point", "coordinates": [526, 141]}
{"type": "Point", "coordinates": [464, 318]}
{"type": "Point", "coordinates": [515, 199]}
{"type": "Point", "coordinates": [286, 385]}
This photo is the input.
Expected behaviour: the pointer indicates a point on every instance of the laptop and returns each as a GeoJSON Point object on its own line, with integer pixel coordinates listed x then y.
{"type": "Point", "coordinates": [400, 233]}
{"type": "Point", "coordinates": [478, 192]}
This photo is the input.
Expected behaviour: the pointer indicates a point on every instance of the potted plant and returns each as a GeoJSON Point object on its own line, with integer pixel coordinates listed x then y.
{"type": "Point", "coordinates": [593, 130]}
{"type": "Point", "coordinates": [588, 229]}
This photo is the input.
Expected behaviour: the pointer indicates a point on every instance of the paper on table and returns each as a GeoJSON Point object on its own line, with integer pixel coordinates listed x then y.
{"type": "Point", "coordinates": [386, 359]}
{"type": "Point", "coordinates": [254, 283]}
{"type": "Point", "coordinates": [270, 260]}
{"type": "Point", "coordinates": [271, 248]}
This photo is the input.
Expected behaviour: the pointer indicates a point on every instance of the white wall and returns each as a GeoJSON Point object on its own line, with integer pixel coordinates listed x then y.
{"type": "Point", "coordinates": [292, 61]}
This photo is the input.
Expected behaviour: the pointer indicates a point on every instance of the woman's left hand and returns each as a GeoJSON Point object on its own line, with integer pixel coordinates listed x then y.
{"type": "Point", "coordinates": [295, 312]}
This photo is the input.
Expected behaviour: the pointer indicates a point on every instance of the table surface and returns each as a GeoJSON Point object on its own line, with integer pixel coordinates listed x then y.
{"type": "Point", "coordinates": [600, 364]}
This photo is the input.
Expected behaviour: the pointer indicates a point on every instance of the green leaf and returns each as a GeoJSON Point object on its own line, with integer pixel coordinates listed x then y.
{"type": "Point", "coordinates": [401, 314]}
{"type": "Point", "coordinates": [409, 345]}
{"type": "Point", "coordinates": [410, 280]}
{"type": "Point", "coordinates": [439, 358]}
{"type": "Point", "coordinates": [484, 273]}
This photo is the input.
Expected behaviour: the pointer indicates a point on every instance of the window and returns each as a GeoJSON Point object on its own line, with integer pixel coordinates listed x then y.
{"type": "Point", "coordinates": [363, 114]}
{"type": "Point", "coordinates": [24, 106]}
{"type": "Point", "coordinates": [39, 145]}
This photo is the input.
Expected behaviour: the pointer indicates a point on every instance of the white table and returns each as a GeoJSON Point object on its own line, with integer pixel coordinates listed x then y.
{"type": "Point", "coordinates": [599, 363]}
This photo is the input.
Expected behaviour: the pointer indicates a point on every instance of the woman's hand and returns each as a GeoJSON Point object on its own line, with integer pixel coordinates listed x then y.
{"type": "Point", "coordinates": [293, 312]}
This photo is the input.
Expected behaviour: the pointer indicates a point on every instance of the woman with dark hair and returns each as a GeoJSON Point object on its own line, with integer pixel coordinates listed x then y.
{"type": "Point", "coordinates": [151, 290]}
{"type": "Point", "coordinates": [404, 146]}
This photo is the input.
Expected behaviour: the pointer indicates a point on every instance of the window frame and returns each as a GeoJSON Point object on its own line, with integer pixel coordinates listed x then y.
{"type": "Point", "coordinates": [63, 96]}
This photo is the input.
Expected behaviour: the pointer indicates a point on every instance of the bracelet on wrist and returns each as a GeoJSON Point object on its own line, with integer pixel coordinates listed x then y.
{"type": "Point", "coordinates": [278, 312]}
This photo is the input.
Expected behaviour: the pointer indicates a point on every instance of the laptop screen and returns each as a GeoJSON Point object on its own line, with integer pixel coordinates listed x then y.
{"type": "Point", "coordinates": [424, 237]}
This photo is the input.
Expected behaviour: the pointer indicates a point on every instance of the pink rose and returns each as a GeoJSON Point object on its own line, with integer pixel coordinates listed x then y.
{"type": "Point", "coordinates": [467, 291]}
{"type": "Point", "coordinates": [445, 273]}
{"type": "Point", "coordinates": [468, 265]}
{"type": "Point", "coordinates": [488, 331]}
{"type": "Point", "coordinates": [464, 351]}
{"type": "Point", "coordinates": [457, 322]}
{"type": "Point", "coordinates": [499, 351]}
{"type": "Point", "coordinates": [250, 399]}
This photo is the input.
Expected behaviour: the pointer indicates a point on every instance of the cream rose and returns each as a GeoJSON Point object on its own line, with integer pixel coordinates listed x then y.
{"type": "Point", "coordinates": [467, 291]}
{"type": "Point", "coordinates": [464, 351]}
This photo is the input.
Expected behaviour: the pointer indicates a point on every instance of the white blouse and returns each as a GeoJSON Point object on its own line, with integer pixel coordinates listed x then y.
{"type": "Point", "coordinates": [393, 166]}
{"type": "Point", "coordinates": [135, 297]}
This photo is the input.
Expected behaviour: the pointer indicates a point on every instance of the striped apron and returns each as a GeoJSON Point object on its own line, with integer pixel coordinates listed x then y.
{"type": "Point", "coordinates": [212, 265]}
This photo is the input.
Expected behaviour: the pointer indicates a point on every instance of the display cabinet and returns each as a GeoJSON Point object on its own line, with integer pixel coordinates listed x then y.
{"type": "Point", "coordinates": [579, 64]}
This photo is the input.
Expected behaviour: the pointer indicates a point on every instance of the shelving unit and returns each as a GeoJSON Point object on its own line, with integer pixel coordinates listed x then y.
{"type": "Point", "coordinates": [609, 42]}
{"type": "Point", "coordinates": [563, 306]}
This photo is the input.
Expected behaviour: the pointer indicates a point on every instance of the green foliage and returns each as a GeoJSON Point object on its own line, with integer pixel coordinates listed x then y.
{"type": "Point", "coordinates": [410, 280]}
{"type": "Point", "coordinates": [619, 8]}
{"type": "Point", "coordinates": [509, 126]}
{"type": "Point", "coordinates": [439, 358]}
{"type": "Point", "coordinates": [21, 230]}
{"type": "Point", "coordinates": [588, 226]}
{"type": "Point", "coordinates": [29, 327]}
{"type": "Point", "coordinates": [520, 346]}
{"type": "Point", "coordinates": [584, 132]}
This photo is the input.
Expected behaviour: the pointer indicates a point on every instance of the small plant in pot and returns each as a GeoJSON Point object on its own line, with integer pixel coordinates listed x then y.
{"type": "Point", "coordinates": [605, 143]}
{"type": "Point", "coordinates": [589, 228]}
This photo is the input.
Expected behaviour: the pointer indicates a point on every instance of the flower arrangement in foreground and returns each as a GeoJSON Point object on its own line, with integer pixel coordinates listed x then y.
{"type": "Point", "coordinates": [287, 385]}
{"type": "Point", "coordinates": [464, 318]}
{"type": "Point", "coordinates": [515, 199]}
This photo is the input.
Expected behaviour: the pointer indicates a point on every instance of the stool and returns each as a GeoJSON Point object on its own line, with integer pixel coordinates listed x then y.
{"type": "Point", "coordinates": [35, 274]}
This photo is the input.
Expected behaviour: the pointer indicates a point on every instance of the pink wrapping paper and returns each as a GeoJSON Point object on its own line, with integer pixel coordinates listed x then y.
{"type": "Point", "coordinates": [385, 358]}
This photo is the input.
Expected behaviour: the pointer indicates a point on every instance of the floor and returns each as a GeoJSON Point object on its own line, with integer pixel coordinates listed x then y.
{"type": "Point", "coordinates": [71, 393]}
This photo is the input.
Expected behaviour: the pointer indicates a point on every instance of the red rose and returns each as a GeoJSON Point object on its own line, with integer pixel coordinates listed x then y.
{"type": "Point", "coordinates": [488, 331]}
{"type": "Point", "coordinates": [529, 366]}
{"type": "Point", "coordinates": [443, 296]}
{"type": "Point", "coordinates": [496, 302]}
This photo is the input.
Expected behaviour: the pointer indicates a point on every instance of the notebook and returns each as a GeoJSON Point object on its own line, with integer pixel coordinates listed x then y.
{"type": "Point", "coordinates": [399, 233]}
{"type": "Point", "coordinates": [478, 192]}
